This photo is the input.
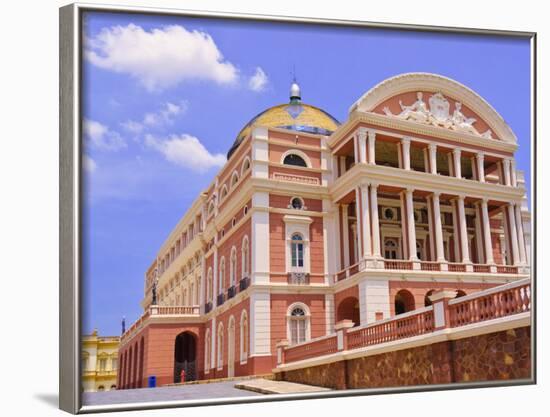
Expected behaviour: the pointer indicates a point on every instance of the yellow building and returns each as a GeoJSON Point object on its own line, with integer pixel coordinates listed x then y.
{"type": "Point", "coordinates": [99, 362]}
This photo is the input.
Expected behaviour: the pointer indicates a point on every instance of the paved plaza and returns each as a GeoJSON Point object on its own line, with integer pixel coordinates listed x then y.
{"type": "Point", "coordinates": [174, 393]}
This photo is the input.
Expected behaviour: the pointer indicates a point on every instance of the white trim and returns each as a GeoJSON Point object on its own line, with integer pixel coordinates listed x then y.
{"type": "Point", "coordinates": [297, 152]}
{"type": "Point", "coordinates": [307, 319]}
{"type": "Point", "coordinates": [418, 81]}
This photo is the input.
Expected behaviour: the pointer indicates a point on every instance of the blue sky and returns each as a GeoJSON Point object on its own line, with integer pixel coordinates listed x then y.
{"type": "Point", "coordinates": [164, 98]}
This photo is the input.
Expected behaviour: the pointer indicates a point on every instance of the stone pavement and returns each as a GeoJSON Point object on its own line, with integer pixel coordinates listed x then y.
{"type": "Point", "coordinates": [174, 393]}
{"type": "Point", "coordinates": [265, 386]}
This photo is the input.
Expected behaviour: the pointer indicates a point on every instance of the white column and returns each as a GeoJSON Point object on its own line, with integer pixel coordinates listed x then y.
{"type": "Point", "coordinates": [506, 169]}
{"type": "Point", "coordinates": [355, 149]}
{"type": "Point", "coordinates": [426, 160]}
{"type": "Point", "coordinates": [365, 221]}
{"type": "Point", "coordinates": [487, 233]}
{"type": "Point", "coordinates": [521, 239]}
{"type": "Point", "coordinates": [404, 229]}
{"type": "Point", "coordinates": [362, 135]}
{"type": "Point", "coordinates": [411, 225]}
{"type": "Point", "coordinates": [456, 231]}
{"type": "Point", "coordinates": [358, 225]}
{"type": "Point", "coordinates": [438, 229]}
{"type": "Point", "coordinates": [513, 235]}
{"type": "Point", "coordinates": [342, 164]}
{"type": "Point", "coordinates": [345, 234]}
{"type": "Point", "coordinates": [456, 163]}
{"type": "Point", "coordinates": [372, 142]}
{"type": "Point", "coordinates": [514, 173]}
{"type": "Point", "coordinates": [478, 237]}
{"type": "Point", "coordinates": [375, 220]}
{"type": "Point", "coordinates": [463, 230]}
{"type": "Point", "coordinates": [480, 167]}
{"type": "Point", "coordinates": [406, 153]}
{"type": "Point", "coordinates": [431, 228]}
{"type": "Point", "coordinates": [433, 158]}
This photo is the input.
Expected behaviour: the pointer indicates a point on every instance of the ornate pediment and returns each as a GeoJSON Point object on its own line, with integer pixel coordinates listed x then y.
{"type": "Point", "coordinates": [438, 114]}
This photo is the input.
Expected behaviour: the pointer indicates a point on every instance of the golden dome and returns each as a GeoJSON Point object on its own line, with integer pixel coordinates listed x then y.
{"type": "Point", "coordinates": [296, 116]}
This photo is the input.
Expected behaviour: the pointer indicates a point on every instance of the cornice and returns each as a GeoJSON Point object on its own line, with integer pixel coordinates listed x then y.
{"type": "Point", "coordinates": [412, 128]}
{"type": "Point", "coordinates": [364, 173]}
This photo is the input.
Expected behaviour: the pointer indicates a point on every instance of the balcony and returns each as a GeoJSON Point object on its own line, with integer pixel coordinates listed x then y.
{"type": "Point", "coordinates": [244, 283]}
{"type": "Point", "coordinates": [425, 266]}
{"type": "Point", "coordinates": [231, 292]}
{"type": "Point", "coordinates": [298, 278]}
{"type": "Point", "coordinates": [220, 299]}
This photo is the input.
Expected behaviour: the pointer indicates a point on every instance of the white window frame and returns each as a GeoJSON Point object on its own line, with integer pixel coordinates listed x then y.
{"type": "Point", "coordinates": [301, 225]}
{"type": "Point", "coordinates": [207, 351]}
{"type": "Point", "coordinates": [233, 266]}
{"type": "Point", "coordinates": [307, 320]}
{"type": "Point", "coordinates": [242, 354]}
{"type": "Point", "coordinates": [299, 153]}
{"type": "Point", "coordinates": [221, 275]}
{"type": "Point", "coordinates": [245, 257]}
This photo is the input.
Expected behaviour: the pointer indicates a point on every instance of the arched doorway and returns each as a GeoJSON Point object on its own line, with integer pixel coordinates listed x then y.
{"type": "Point", "coordinates": [185, 353]}
{"type": "Point", "coordinates": [348, 309]}
{"type": "Point", "coordinates": [460, 293]}
{"type": "Point", "coordinates": [427, 301]}
{"type": "Point", "coordinates": [404, 302]}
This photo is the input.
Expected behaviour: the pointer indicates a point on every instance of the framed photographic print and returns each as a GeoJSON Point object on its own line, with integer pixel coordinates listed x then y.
{"type": "Point", "coordinates": [262, 208]}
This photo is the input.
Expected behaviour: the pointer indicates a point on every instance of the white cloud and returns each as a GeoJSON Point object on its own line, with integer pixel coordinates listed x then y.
{"type": "Point", "coordinates": [132, 126]}
{"type": "Point", "coordinates": [160, 58]}
{"type": "Point", "coordinates": [101, 137]}
{"type": "Point", "coordinates": [187, 151]}
{"type": "Point", "coordinates": [165, 116]}
{"type": "Point", "coordinates": [88, 164]}
{"type": "Point", "coordinates": [258, 82]}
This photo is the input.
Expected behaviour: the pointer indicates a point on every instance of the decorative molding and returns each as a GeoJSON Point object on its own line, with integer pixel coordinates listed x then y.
{"type": "Point", "coordinates": [418, 81]}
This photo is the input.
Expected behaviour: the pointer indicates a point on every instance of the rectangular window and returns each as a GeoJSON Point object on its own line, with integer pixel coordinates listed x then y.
{"type": "Point", "coordinates": [114, 364]}
{"type": "Point", "coordinates": [102, 364]}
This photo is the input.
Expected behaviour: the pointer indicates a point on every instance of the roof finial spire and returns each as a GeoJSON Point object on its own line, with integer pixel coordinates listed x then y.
{"type": "Point", "coordinates": [295, 95]}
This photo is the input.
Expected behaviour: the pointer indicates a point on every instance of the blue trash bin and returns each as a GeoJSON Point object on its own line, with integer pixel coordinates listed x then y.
{"type": "Point", "coordinates": [152, 381]}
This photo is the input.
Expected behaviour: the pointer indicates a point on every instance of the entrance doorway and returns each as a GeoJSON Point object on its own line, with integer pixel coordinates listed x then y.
{"type": "Point", "coordinates": [185, 354]}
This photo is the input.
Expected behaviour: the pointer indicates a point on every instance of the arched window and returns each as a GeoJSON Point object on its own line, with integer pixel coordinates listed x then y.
{"type": "Point", "coordinates": [296, 203]}
{"type": "Point", "coordinates": [220, 346]}
{"type": "Point", "coordinates": [224, 192]}
{"type": "Point", "coordinates": [390, 249]}
{"type": "Point", "coordinates": [101, 388]}
{"type": "Point", "coordinates": [295, 160]}
{"type": "Point", "coordinates": [192, 294]}
{"type": "Point", "coordinates": [245, 257]}
{"type": "Point", "coordinates": [233, 267]}
{"type": "Point", "coordinates": [207, 351]}
{"type": "Point", "coordinates": [298, 324]}
{"type": "Point", "coordinates": [244, 336]}
{"type": "Point", "coordinates": [246, 166]}
{"type": "Point", "coordinates": [234, 179]}
{"type": "Point", "coordinates": [113, 387]}
{"type": "Point", "coordinates": [297, 251]}
{"type": "Point", "coordinates": [222, 276]}
{"type": "Point", "coordinates": [209, 287]}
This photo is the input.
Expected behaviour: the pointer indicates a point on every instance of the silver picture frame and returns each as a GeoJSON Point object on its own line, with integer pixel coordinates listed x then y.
{"type": "Point", "coordinates": [71, 193]}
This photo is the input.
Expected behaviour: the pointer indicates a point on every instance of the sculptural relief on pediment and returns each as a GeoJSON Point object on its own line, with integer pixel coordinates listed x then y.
{"type": "Point", "coordinates": [437, 112]}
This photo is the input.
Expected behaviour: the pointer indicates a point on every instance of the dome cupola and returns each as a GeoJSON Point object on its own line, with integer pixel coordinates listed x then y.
{"type": "Point", "coordinates": [294, 115]}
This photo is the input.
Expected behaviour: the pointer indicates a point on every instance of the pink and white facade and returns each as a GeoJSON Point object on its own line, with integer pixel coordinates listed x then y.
{"type": "Point", "coordinates": [307, 225]}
